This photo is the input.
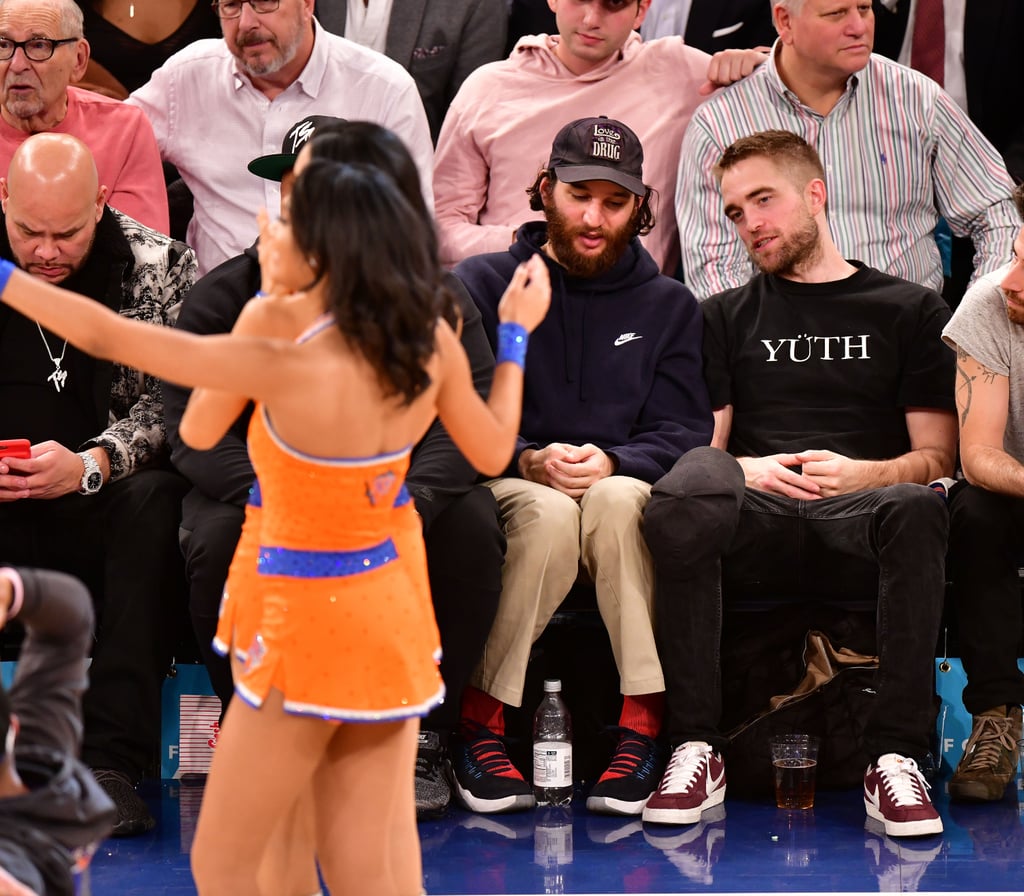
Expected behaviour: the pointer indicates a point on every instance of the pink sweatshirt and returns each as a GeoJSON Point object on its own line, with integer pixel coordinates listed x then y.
{"type": "Point", "coordinates": [122, 143]}
{"type": "Point", "coordinates": [498, 132]}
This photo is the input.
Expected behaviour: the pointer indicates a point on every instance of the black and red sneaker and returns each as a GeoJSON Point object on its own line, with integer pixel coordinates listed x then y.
{"type": "Point", "coordinates": [485, 778]}
{"type": "Point", "coordinates": [631, 776]}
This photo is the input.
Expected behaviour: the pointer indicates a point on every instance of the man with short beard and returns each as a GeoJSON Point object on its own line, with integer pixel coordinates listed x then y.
{"type": "Point", "coordinates": [986, 511]}
{"type": "Point", "coordinates": [613, 395]}
{"type": "Point", "coordinates": [833, 412]}
{"type": "Point", "coordinates": [219, 103]}
{"type": "Point", "coordinates": [899, 151]}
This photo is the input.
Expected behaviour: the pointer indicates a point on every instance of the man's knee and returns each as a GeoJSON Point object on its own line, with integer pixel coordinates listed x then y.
{"type": "Point", "coordinates": [541, 514]}
{"type": "Point", "coordinates": [919, 506]}
{"type": "Point", "coordinates": [694, 509]}
{"type": "Point", "coordinates": [974, 510]}
{"type": "Point", "coordinates": [466, 539]}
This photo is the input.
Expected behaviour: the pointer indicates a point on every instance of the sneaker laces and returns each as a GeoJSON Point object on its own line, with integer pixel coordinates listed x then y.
{"type": "Point", "coordinates": [989, 739]}
{"type": "Point", "coordinates": [900, 779]}
{"type": "Point", "coordinates": [489, 752]}
{"type": "Point", "coordinates": [633, 749]}
{"type": "Point", "coordinates": [686, 763]}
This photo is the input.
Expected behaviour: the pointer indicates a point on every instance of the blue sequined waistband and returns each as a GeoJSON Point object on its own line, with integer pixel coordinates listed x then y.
{"type": "Point", "coordinates": [324, 564]}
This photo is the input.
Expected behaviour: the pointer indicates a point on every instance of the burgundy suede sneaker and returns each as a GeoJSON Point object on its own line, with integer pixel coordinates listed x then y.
{"type": "Point", "coordinates": [693, 782]}
{"type": "Point", "coordinates": [896, 794]}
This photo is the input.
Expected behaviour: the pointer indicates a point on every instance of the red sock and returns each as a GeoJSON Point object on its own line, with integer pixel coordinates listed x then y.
{"type": "Point", "coordinates": [483, 709]}
{"type": "Point", "coordinates": [643, 713]}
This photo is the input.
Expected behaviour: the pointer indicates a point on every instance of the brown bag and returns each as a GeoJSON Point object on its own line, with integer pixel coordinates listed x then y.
{"type": "Point", "coordinates": [832, 701]}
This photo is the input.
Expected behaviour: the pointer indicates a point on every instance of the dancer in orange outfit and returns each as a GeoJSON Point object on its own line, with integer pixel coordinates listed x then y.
{"type": "Point", "coordinates": [346, 633]}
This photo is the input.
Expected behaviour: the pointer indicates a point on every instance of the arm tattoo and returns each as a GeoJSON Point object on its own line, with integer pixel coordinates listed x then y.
{"type": "Point", "coordinates": [965, 383]}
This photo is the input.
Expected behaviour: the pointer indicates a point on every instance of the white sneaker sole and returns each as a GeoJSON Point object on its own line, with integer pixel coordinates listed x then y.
{"type": "Point", "coordinates": [683, 816]}
{"type": "Point", "coordinates": [512, 803]}
{"type": "Point", "coordinates": [605, 805]}
{"type": "Point", "coordinates": [905, 828]}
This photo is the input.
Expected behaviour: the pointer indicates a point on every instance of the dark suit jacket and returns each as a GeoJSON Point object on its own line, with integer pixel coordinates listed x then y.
{"type": "Point", "coordinates": [993, 64]}
{"type": "Point", "coordinates": [712, 25]}
{"type": "Point", "coordinates": [439, 42]}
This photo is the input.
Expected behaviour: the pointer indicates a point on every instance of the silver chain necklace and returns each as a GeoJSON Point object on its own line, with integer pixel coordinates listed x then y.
{"type": "Point", "coordinates": [58, 377]}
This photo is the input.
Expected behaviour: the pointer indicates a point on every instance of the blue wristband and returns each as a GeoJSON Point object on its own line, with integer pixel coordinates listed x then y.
{"type": "Point", "coordinates": [6, 269]}
{"type": "Point", "coordinates": [512, 339]}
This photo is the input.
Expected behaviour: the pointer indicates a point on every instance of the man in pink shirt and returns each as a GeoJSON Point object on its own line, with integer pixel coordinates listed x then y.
{"type": "Point", "coordinates": [497, 133]}
{"type": "Point", "coordinates": [42, 50]}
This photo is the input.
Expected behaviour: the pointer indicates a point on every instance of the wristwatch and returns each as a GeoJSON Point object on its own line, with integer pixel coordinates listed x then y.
{"type": "Point", "coordinates": [92, 478]}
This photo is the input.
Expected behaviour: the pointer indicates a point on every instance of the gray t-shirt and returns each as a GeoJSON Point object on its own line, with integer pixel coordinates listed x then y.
{"type": "Point", "coordinates": [981, 328]}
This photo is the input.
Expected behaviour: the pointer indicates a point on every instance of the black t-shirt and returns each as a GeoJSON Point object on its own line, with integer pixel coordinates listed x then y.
{"type": "Point", "coordinates": [826, 365]}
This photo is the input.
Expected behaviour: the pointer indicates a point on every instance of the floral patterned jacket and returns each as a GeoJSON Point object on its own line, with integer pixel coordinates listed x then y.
{"type": "Point", "coordinates": [157, 274]}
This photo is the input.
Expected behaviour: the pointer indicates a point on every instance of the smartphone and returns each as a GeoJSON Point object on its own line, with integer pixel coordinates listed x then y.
{"type": "Point", "coordinates": [15, 448]}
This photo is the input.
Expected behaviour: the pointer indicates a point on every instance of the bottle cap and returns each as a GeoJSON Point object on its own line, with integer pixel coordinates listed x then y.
{"type": "Point", "coordinates": [552, 685]}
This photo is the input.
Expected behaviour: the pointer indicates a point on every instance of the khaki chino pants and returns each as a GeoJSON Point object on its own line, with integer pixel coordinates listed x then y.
{"type": "Point", "coordinates": [551, 537]}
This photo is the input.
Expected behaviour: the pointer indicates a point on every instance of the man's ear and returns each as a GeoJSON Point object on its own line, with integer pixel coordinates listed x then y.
{"type": "Point", "coordinates": [641, 13]}
{"type": "Point", "coordinates": [82, 52]}
{"type": "Point", "coordinates": [101, 201]}
{"type": "Point", "coordinates": [782, 18]}
{"type": "Point", "coordinates": [816, 195]}
{"type": "Point", "coordinates": [4, 194]}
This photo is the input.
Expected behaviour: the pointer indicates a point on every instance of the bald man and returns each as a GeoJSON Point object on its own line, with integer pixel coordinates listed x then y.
{"type": "Point", "coordinates": [44, 51]}
{"type": "Point", "coordinates": [95, 497]}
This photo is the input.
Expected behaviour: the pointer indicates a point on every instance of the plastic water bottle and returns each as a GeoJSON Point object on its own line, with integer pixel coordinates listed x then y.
{"type": "Point", "coordinates": [552, 748]}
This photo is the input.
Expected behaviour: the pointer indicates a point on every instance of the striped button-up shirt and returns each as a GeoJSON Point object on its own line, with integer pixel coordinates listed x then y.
{"type": "Point", "coordinates": [898, 153]}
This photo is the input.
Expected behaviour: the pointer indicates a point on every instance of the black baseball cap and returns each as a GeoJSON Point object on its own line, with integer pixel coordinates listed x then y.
{"type": "Point", "coordinates": [599, 149]}
{"type": "Point", "coordinates": [277, 165]}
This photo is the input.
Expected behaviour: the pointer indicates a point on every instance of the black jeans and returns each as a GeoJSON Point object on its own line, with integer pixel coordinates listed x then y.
{"type": "Point", "coordinates": [709, 535]}
{"type": "Point", "coordinates": [123, 544]}
{"type": "Point", "coordinates": [986, 544]}
{"type": "Point", "coordinates": [465, 550]}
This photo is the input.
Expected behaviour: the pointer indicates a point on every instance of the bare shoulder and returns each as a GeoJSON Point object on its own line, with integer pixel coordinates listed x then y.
{"type": "Point", "coordinates": [276, 315]}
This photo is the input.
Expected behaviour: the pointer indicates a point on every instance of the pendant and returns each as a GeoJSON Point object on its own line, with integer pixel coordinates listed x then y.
{"type": "Point", "coordinates": [58, 377]}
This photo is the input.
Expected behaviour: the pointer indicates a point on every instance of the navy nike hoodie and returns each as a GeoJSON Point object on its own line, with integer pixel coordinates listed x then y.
{"type": "Point", "coordinates": [616, 362]}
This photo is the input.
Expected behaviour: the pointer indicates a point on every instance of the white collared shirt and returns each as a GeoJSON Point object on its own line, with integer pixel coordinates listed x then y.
{"type": "Point", "coordinates": [210, 121]}
{"type": "Point", "coordinates": [366, 22]}
{"type": "Point", "coordinates": [955, 81]}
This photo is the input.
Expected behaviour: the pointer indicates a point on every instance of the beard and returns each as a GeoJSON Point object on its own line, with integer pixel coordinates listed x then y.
{"type": "Point", "coordinates": [1014, 314]}
{"type": "Point", "coordinates": [797, 251]}
{"type": "Point", "coordinates": [562, 236]}
{"type": "Point", "coordinates": [23, 105]}
{"type": "Point", "coordinates": [281, 56]}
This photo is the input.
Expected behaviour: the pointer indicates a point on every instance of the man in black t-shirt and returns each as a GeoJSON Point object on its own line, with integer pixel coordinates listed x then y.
{"type": "Point", "coordinates": [833, 410]}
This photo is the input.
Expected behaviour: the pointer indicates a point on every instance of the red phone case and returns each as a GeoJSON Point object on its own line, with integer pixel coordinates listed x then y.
{"type": "Point", "coordinates": [15, 448]}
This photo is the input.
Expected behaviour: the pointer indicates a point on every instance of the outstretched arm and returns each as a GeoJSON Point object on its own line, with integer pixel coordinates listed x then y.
{"type": "Point", "coordinates": [244, 365]}
{"type": "Point", "coordinates": [486, 432]}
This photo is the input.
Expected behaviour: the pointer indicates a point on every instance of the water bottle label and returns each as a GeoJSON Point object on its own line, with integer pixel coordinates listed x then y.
{"type": "Point", "coordinates": [552, 764]}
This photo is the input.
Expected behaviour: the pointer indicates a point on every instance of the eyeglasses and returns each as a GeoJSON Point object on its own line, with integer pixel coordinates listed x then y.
{"type": "Point", "coordinates": [36, 49]}
{"type": "Point", "coordinates": [232, 9]}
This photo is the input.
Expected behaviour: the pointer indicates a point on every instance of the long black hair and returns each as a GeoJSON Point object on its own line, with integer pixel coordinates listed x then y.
{"type": "Point", "coordinates": [379, 259]}
{"type": "Point", "coordinates": [368, 143]}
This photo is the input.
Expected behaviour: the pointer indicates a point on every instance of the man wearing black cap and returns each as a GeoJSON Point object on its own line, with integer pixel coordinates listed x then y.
{"type": "Point", "coordinates": [613, 396]}
{"type": "Point", "coordinates": [464, 544]}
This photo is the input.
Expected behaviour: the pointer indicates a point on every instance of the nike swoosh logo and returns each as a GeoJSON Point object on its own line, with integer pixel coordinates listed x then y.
{"type": "Point", "coordinates": [626, 337]}
{"type": "Point", "coordinates": [717, 782]}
